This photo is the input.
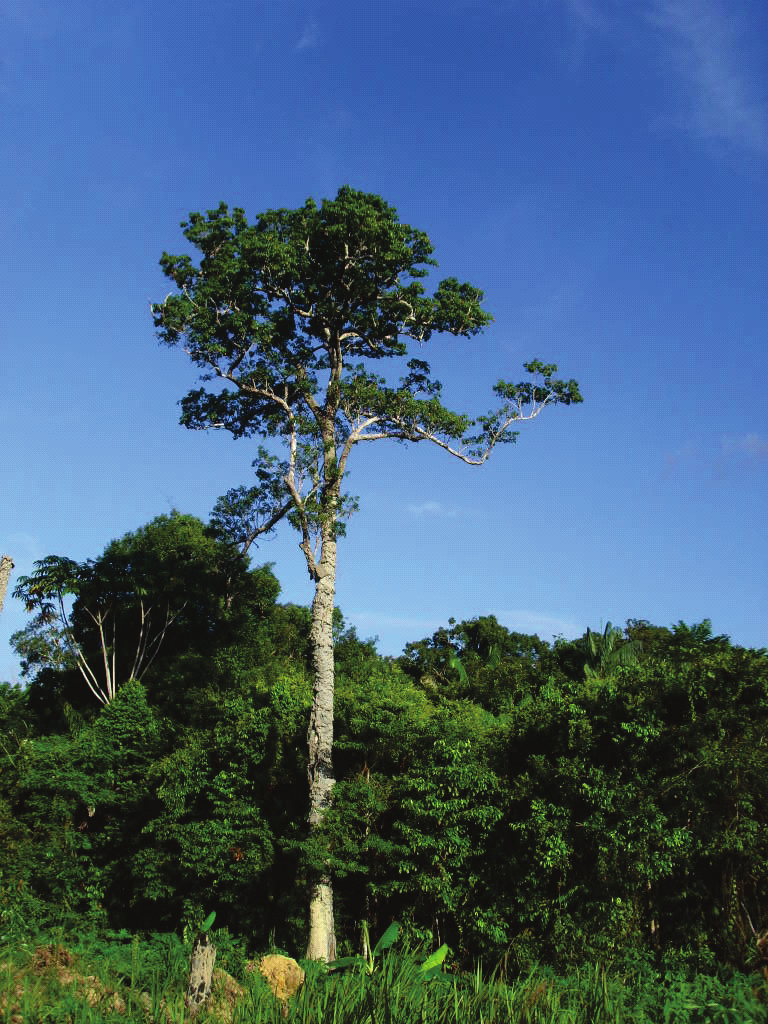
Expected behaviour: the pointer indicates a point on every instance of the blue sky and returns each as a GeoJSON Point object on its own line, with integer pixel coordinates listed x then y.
{"type": "Point", "coordinates": [598, 167]}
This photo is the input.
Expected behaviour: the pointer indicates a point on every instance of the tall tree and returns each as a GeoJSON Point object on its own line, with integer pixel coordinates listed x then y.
{"type": "Point", "coordinates": [284, 318]}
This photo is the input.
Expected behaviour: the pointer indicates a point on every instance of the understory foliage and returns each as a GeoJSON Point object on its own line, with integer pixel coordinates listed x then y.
{"type": "Point", "coordinates": [523, 801]}
{"type": "Point", "coordinates": [121, 979]}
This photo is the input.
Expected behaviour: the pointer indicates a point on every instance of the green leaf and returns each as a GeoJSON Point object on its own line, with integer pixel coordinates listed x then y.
{"type": "Point", "coordinates": [389, 938]}
{"type": "Point", "coordinates": [347, 961]}
{"type": "Point", "coordinates": [453, 661]}
{"type": "Point", "coordinates": [435, 960]}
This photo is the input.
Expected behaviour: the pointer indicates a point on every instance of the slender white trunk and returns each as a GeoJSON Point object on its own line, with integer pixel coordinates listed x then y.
{"type": "Point", "coordinates": [322, 938]}
{"type": "Point", "coordinates": [322, 934]}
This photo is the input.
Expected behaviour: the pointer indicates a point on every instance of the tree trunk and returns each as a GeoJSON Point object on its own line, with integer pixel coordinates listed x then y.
{"type": "Point", "coordinates": [6, 564]}
{"type": "Point", "coordinates": [322, 932]}
{"type": "Point", "coordinates": [200, 974]}
{"type": "Point", "coordinates": [322, 937]}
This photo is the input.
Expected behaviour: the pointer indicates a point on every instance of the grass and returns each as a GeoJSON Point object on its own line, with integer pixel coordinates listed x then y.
{"type": "Point", "coordinates": [125, 979]}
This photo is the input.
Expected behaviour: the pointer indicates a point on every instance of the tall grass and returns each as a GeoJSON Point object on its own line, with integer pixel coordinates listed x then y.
{"type": "Point", "coordinates": [137, 982]}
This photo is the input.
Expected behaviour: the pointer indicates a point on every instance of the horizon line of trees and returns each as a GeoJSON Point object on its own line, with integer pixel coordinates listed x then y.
{"type": "Point", "coordinates": [520, 799]}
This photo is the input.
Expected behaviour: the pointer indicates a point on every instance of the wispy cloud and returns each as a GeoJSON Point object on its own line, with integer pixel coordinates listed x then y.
{"type": "Point", "coordinates": [712, 59]}
{"type": "Point", "coordinates": [416, 624]}
{"type": "Point", "coordinates": [591, 13]}
{"type": "Point", "coordinates": [406, 628]}
{"type": "Point", "coordinates": [432, 508]}
{"type": "Point", "coordinates": [733, 452]}
{"type": "Point", "coordinates": [310, 37]}
{"type": "Point", "coordinates": [522, 620]}
{"type": "Point", "coordinates": [749, 447]}
{"type": "Point", "coordinates": [709, 47]}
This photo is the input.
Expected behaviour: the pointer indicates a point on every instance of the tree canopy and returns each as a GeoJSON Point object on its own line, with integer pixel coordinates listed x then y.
{"type": "Point", "coordinates": [170, 588]}
{"type": "Point", "coordinates": [289, 313]}
{"type": "Point", "coordinates": [491, 794]}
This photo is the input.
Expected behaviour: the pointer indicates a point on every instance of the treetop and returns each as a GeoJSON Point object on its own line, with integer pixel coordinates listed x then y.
{"type": "Point", "coordinates": [282, 311]}
{"type": "Point", "coordinates": [287, 314]}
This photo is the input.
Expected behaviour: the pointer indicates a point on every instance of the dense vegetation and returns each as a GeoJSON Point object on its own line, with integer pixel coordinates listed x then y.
{"type": "Point", "coordinates": [124, 980]}
{"type": "Point", "coordinates": [566, 804]}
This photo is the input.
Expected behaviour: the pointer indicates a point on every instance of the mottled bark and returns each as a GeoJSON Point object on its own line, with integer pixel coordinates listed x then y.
{"type": "Point", "coordinates": [322, 934]}
{"type": "Point", "coordinates": [6, 565]}
{"type": "Point", "coordinates": [322, 938]}
{"type": "Point", "coordinates": [200, 974]}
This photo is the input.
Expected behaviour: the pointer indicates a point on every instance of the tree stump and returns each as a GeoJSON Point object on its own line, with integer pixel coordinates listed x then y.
{"type": "Point", "coordinates": [200, 973]}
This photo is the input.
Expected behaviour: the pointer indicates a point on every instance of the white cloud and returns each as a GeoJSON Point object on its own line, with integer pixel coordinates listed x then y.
{"type": "Point", "coordinates": [712, 59]}
{"type": "Point", "coordinates": [394, 631]}
{"type": "Point", "coordinates": [733, 453]}
{"type": "Point", "coordinates": [310, 37]}
{"type": "Point", "coordinates": [380, 621]}
{"type": "Point", "coordinates": [521, 620]}
{"type": "Point", "coordinates": [590, 13]}
{"type": "Point", "coordinates": [431, 508]}
{"type": "Point", "coordinates": [710, 53]}
{"type": "Point", "coordinates": [750, 446]}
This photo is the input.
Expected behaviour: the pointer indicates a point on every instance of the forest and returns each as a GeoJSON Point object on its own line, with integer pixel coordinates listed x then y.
{"type": "Point", "coordinates": [186, 748]}
{"type": "Point", "coordinates": [520, 800]}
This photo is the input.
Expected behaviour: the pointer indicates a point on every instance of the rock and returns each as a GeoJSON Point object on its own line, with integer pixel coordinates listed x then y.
{"type": "Point", "coordinates": [282, 974]}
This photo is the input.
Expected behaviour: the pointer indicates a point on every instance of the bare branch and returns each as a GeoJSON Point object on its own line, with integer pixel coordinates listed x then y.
{"type": "Point", "coordinates": [85, 669]}
{"type": "Point", "coordinates": [257, 531]}
{"type": "Point", "coordinates": [114, 649]}
{"type": "Point", "coordinates": [157, 640]}
{"type": "Point", "coordinates": [415, 432]}
{"type": "Point", "coordinates": [141, 642]}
